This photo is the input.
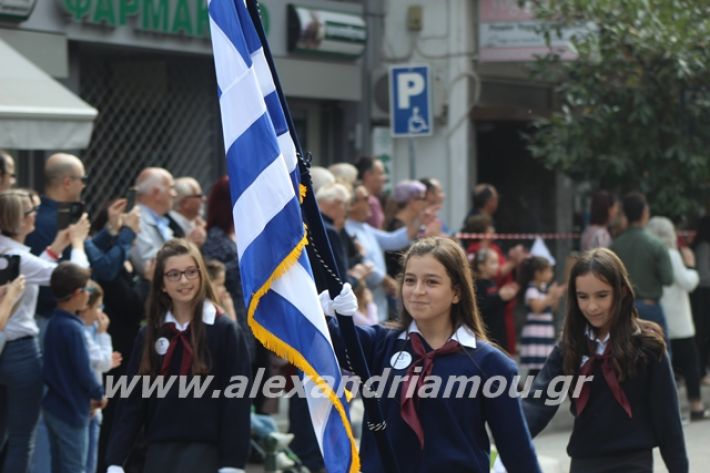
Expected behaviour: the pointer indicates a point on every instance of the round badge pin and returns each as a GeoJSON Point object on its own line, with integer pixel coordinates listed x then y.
{"type": "Point", "coordinates": [161, 346]}
{"type": "Point", "coordinates": [401, 360]}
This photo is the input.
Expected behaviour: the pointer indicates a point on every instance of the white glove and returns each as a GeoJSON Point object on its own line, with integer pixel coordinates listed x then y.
{"type": "Point", "coordinates": [229, 469]}
{"type": "Point", "coordinates": [326, 303]}
{"type": "Point", "coordinates": [115, 469]}
{"type": "Point", "coordinates": [345, 303]}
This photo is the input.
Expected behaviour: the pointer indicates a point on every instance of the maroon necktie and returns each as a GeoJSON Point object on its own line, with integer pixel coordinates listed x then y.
{"type": "Point", "coordinates": [408, 408]}
{"type": "Point", "coordinates": [182, 337]}
{"type": "Point", "coordinates": [609, 375]}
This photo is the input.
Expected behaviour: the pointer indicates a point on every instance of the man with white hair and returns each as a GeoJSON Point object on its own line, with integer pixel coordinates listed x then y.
{"type": "Point", "coordinates": [184, 218]}
{"type": "Point", "coordinates": [333, 202]}
{"type": "Point", "coordinates": [155, 191]}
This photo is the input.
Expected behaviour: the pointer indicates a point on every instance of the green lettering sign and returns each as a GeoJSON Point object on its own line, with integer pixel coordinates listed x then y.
{"type": "Point", "coordinates": [181, 20]}
{"type": "Point", "coordinates": [155, 17]}
{"type": "Point", "coordinates": [127, 8]}
{"type": "Point", "coordinates": [77, 8]}
{"type": "Point", "coordinates": [172, 17]}
{"type": "Point", "coordinates": [104, 13]}
{"type": "Point", "coordinates": [202, 19]}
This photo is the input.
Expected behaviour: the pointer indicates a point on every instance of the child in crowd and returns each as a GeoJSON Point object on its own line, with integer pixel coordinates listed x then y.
{"type": "Point", "coordinates": [101, 356]}
{"type": "Point", "coordinates": [491, 299]}
{"type": "Point", "coordinates": [217, 274]}
{"type": "Point", "coordinates": [366, 308]}
{"type": "Point", "coordinates": [72, 388]}
{"type": "Point", "coordinates": [630, 404]}
{"type": "Point", "coordinates": [440, 334]}
{"type": "Point", "coordinates": [541, 300]}
{"type": "Point", "coordinates": [185, 334]}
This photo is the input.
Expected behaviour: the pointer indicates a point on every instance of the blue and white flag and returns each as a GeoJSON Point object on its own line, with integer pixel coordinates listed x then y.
{"type": "Point", "coordinates": [283, 307]}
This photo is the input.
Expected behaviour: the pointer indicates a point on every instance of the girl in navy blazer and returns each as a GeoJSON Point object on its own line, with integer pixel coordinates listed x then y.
{"type": "Point", "coordinates": [440, 335]}
{"type": "Point", "coordinates": [628, 403]}
{"type": "Point", "coordinates": [185, 335]}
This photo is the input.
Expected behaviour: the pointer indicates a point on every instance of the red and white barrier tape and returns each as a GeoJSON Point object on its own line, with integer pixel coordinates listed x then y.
{"type": "Point", "coordinates": [517, 236]}
{"type": "Point", "coordinates": [545, 236]}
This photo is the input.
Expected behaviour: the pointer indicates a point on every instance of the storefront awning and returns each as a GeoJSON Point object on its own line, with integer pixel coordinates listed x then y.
{"type": "Point", "coordinates": [36, 112]}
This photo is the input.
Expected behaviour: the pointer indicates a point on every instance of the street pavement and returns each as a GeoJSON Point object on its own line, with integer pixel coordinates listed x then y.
{"type": "Point", "coordinates": [551, 444]}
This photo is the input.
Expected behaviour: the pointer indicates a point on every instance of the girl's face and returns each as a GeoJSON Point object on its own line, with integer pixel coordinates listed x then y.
{"type": "Point", "coordinates": [489, 268]}
{"type": "Point", "coordinates": [427, 291]}
{"type": "Point", "coordinates": [181, 278]}
{"type": "Point", "coordinates": [544, 275]}
{"type": "Point", "coordinates": [92, 312]}
{"type": "Point", "coordinates": [595, 299]}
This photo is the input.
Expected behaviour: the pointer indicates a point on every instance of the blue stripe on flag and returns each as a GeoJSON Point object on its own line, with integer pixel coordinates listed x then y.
{"type": "Point", "coordinates": [224, 14]}
{"type": "Point", "coordinates": [339, 450]}
{"type": "Point", "coordinates": [276, 313]}
{"type": "Point", "coordinates": [242, 165]}
{"type": "Point", "coordinates": [265, 253]}
{"type": "Point", "coordinates": [273, 105]}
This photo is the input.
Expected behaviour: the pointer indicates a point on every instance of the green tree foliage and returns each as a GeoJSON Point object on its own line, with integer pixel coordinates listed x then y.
{"type": "Point", "coordinates": [634, 108]}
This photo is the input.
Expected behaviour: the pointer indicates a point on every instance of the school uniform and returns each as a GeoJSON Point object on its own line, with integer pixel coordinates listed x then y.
{"type": "Point", "coordinates": [193, 434]}
{"type": "Point", "coordinates": [71, 386]}
{"type": "Point", "coordinates": [537, 338]}
{"type": "Point", "coordinates": [438, 433]}
{"type": "Point", "coordinates": [620, 422]}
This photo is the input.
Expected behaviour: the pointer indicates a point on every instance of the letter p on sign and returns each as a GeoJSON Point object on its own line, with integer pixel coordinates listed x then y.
{"type": "Point", "coordinates": [408, 84]}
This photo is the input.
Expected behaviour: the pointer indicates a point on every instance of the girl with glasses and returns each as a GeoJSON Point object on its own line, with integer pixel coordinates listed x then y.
{"type": "Point", "coordinates": [185, 334]}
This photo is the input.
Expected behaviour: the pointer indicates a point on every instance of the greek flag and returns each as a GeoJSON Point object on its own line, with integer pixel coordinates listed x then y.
{"type": "Point", "coordinates": [283, 307]}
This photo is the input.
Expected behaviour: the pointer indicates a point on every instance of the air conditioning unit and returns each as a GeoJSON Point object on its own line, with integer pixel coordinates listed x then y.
{"type": "Point", "coordinates": [380, 94]}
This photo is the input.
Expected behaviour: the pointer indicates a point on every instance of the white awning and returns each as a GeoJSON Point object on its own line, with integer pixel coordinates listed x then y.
{"type": "Point", "coordinates": [36, 112]}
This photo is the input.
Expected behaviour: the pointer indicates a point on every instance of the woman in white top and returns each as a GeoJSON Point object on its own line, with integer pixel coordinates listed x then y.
{"type": "Point", "coordinates": [676, 305]}
{"type": "Point", "coordinates": [20, 361]}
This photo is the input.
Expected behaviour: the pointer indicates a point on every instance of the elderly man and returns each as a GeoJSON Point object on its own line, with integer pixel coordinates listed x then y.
{"type": "Point", "coordinates": [155, 191]}
{"type": "Point", "coordinates": [7, 171]}
{"type": "Point", "coordinates": [374, 242]}
{"type": "Point", "coordinates": [184, 218]}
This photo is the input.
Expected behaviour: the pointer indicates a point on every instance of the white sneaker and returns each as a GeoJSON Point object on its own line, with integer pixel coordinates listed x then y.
{"type": "Point", "coordinates": [283, 461]}
{"type": "Point", "coordinates": [282, 440]}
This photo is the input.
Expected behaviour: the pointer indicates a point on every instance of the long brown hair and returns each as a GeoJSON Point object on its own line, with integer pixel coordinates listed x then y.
{"type": "Point", "coordinates": [159, 303]}
{"type": "Point", "coordinates": [452, 257]}
{"type": "Point", "coordinates": [631, 339]}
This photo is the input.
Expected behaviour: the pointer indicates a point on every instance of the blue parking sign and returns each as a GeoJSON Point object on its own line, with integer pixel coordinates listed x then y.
{"type": "Point", "coordinates": [410, 101]}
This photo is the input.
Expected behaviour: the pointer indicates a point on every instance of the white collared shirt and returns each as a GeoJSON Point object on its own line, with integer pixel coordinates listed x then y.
{"type": "Point", "coordinates": [37, 271]}
{"type": "Point", "coordinates": [463, 335]}
{"type": "Point", "coordinates": [600, 344]}
{"type": "Point", "coordinates": [209, 314]}
{"type": "Point", "coordinates": [182, 221]}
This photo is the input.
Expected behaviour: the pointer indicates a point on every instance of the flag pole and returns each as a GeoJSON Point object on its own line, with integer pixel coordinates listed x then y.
{"type": "Point", "coordinates": [319, 242]}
